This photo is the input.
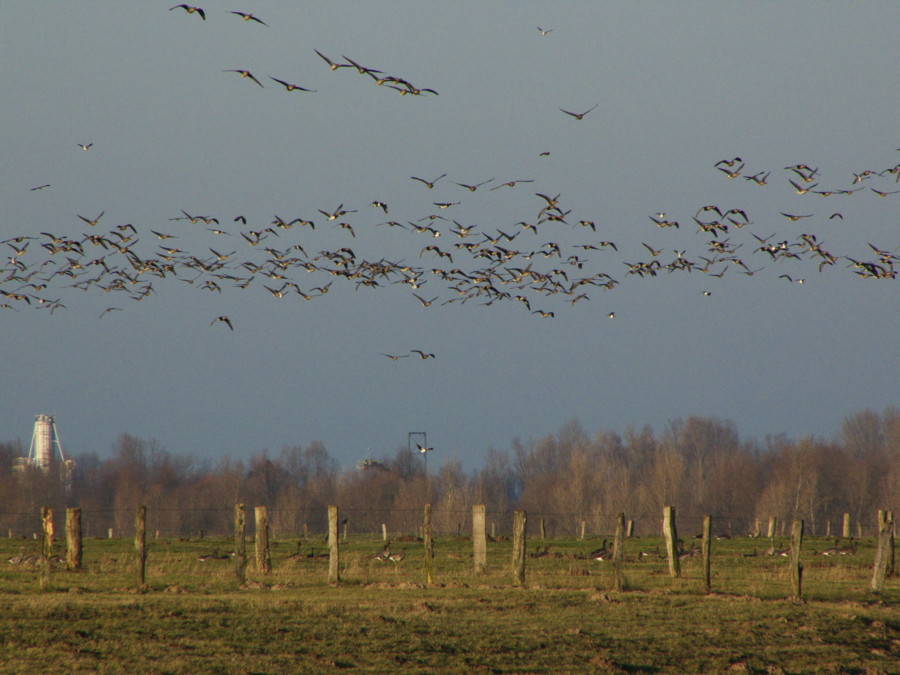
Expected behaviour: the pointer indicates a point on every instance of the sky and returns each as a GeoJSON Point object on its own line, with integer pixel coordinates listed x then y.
{"type": "Point", "coordinates": [674, 92]}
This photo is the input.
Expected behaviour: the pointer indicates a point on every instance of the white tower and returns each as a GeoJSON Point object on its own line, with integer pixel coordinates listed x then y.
{"type": "Point", "coordinates": [42, 441]}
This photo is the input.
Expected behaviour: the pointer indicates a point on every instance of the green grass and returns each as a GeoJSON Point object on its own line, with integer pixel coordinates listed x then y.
{"type": "Point", "coordinates": [194, 617]}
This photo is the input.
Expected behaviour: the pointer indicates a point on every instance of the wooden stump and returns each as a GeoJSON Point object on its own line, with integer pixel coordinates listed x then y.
{"type": "Point", "coordinates": [479, 539]}
{"type": "Point", "coordinates": [670, 532]}
{"type": "Point", "coordinates": [263, 558]}
{"type": "Point", "coordinates": [706, 549]}
{"type": "Point", "coordinates": [520, 520]}
{"type": "Point", "coordinates": [140, 544]}
{"type": "Point", "coordinates": [240, 542]}
{"type": "Point", "coordinates": [796, 563]}
{"type": "Point", "coordinates": [619, 554]}
{"type": "Point", "coordinates": [334, 571]}
{"type": "Point", "coordinates": [73, 539]}
{"type": "Point", "coordinates": [46, 545]}
{"type": "Point", "coordinates": [429, 545]}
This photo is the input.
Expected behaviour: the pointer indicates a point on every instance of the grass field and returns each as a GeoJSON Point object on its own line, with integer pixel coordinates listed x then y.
{"type": "Point", "coordinates": [193, 616]}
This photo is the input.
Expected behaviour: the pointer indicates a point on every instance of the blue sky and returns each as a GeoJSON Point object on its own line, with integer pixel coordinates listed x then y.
{"type": "Point", "coordinates": [678, 88]}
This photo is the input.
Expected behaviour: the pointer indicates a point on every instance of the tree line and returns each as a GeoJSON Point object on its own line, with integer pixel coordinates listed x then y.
{"type": "Point", "coordinates": [569, 480]}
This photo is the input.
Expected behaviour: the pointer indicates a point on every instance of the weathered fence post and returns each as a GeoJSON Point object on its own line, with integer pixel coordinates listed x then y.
{"type": "Point", "coordinates": [773, 522]}
{"type": "Point", "coordinates": [883, 550]}
{"type": "Point", "coordinates": [845, 530]}
{"type": "Point", "coordinates": [520, 519]}
{"type": "Point", "coordinates": [73, 539]}
{"type": "Point", "coordinates": [619, 554]}
{"type": "Point", "coordinates": [263, 558]}
{"type": "Point", "coordinates": [240, 542]}
{"type": "Point", "coordinates": [543, 530]}
{"type": "Point", "coordinates": [140, 543]}
{"type": "Point", "coordinates": [334, 570]}
{"type": "Point", "coordinates": [46, 545]}
{"type": "Point", "coordinates": [756, 527]}
{"type": "Point", "coordinates": [670, 532]}
{"type": "Point", "coordinates": [384, 532]}
{"type": "Point", "coordinates": [629, 529]}
{"type": "Point", "coordinates": [479, 539]}
{"type": "Point", "coordinates": [796, 563]}
{"type": "Point", "coordinates": [583, 528]}
{"type": "Point", "coordinates": [346, 527]}
{"type": "Point", "coordinates": [429, 545]}
{"type": "Point", "coordinates": [706, 550]}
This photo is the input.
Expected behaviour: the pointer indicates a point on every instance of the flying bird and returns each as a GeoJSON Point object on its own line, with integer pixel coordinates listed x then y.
{"type": "Point", "coordinates": [85, 147]}
{"type": "Point", "coordinates": [190, 10]}
{"type": "Point", "coordinates": [249, 17]}
{"type": "Point", "coordinates": [223, 319]}
{"type": "Point", "coordinates": [429, 184]}
{"type": "Point", "coordinates": [543, 31]}
{"type": "Point", "coordinates": [245, 74]}
{"type": "Point", "coordinates": [290, 87]}
{"type": "Point", "coordinates": [332, 64]}
{"type": "Point", "coordinates": [422, 355]}
{"type": "Point", "coordinates": [579, 116]}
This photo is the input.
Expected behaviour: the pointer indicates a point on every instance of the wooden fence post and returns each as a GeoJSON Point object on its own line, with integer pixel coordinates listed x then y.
{"type": "Point", "coordinates": [46, 545]}
{"type": "Point", "coordinates": [583, 528]}
{"type": "Point", "coordinates": [543, 530]}
{"type": "Point", "coordinates": [429, 545]}
{"type": "Point", "coordinates": [240, 542]}
{"type": "Point", "coordinates": [384, 532]}
{"type": "Point", "coordinates": [796, 563]}
{"type": "Point", "coordinates": [479, 539]}
{"type": "Point", "coordinates": [73, 539]}
{"type": "Point", "coordinates": [140, 543]}
{"type": "Point", "coordinates": [520, 519]}
{"type": "Point", "coordinates": [845, 530]}
{"type": "Point", "coordinates": [706, 550]}
{"type": "Point", "coordinates": [619, 554]}
{"type": "Point", "coordinates": [263, 558]}
{"type": "Point", "coordinates": [334, 570]}
{"type": "Point", "coordinates": [883, 550]}
{"type": "Point", "coordinates": [670, 532]}
{"type": "Point", "coordinates": [773, 522]}
{"type": "Point", "coordinates": [629, 529]}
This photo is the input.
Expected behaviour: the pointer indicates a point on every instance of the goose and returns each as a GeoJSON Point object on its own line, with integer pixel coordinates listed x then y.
{"type": "Point", "coordinates": [290, 87]}
{"type": "Point", "coordinates": [579, 116]}
{"type": "Point", "coordinates": [190, 10]}
{"type": "Point", "coordinates": [249, 17]}
{"type": "Point", "coordinates": [245, 74]}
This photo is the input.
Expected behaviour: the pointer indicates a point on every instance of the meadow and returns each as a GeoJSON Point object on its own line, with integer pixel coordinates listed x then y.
{"type": "Point", "coordinates": [193, 615]}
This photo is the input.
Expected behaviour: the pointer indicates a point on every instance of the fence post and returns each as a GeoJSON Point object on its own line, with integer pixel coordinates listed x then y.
{"type": "Point", "coordinates": [140, 543]}
{"type": "Point", "coordinates": [543, 530]}
{"type": "Point", "coordinates": [845, 530]}
{"type": "Point", "coordinates": [773, 522]}
{"type": "Point", "coordinates": [263, 559]}
{"type": "Point", "coordinates": [46, 545]}
{"type": "Point", "coordinates": [240, 542]}
{"type": "Point", "coordinates": [706, 550]}
{"type": "Point", "coordinates": [479, 539]}
{"type": "Point", "coordinates": [670, 532]}
{"type": "Point", "coordinates": [384, 532]}
{"type": "Point", "coordinates": [429, 545]}
{"type": "Point", "coordinates": [73, 539]}
{"type": "Point", "coordinates": [796, 564]}
{"type": "Point", "coordinates": [619, 553]}
{"type": "Point", "coordinates": [883, 550]}
{"type": "Point", "coordinates": [520, 519]}
{"type": "Point", "coordinates": [334, 571]}
{"type": "Point", "coordinates": [583, 528]}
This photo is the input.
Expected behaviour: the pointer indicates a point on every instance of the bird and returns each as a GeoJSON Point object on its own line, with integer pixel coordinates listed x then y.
{"type": "Point", "coordinates": [362, 69]}
{"type": "Point", "coordinates": [191, 10]}
{"type": "Point", "coordinates": [249, 17]}
{"type": "Point", "coordinates": [94, 221]}
{"type": "Point", "coordinates": [425, 303]}
{"type": "Point", "coordinates": [332, 64]}
{"type": "Point", "coordinates": [394, 357]}
{"type": "Point", "coordinates": [472, 188]}
{"type": "Point", "coordinates": [544, 31]}
{"type": "Point", "coordinates": [422, 449]}
{"type": "Point", "coordinates": [397, 557]}
{"type": "Point", "coordinates": [85, 147]}
{"type": "Point", "coordinates": [793, 218]}
{"type": "Point", "coordinates": [512, 183]}
{"type": "Point", "coordinates": [245, 74]}
{"type": "Point", "coordinates": [611, 315]}
{"type": "Point", "coordinates": [289, 86]}
{"type": "Point", "coordinates": [428, 184]}
{"type": "Point", "coordinates": [223, 319]}
{"type": "Point", "coordinates": [579, 116]}
{"type": "Point", "coordinates": [422, 355]}
{"type": "Point", "coordinates": [40, 187]}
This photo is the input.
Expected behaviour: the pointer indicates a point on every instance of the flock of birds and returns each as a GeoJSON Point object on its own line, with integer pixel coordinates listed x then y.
{"type": "Point", "coordinates": [552, 258]}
